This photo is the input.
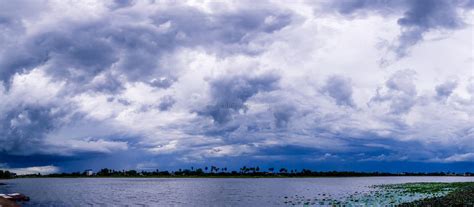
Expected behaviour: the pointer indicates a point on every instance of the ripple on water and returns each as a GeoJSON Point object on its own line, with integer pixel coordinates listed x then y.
{"type": "Point", "coordinates": [209, 192]}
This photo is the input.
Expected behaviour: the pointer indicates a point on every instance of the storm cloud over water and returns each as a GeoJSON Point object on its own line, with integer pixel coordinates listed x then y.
{"type": "Point", "coordinates": [169, 84]}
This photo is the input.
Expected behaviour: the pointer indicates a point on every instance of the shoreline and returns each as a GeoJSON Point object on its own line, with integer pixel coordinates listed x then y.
{"type": "Point", "coordinates": [243, 177]}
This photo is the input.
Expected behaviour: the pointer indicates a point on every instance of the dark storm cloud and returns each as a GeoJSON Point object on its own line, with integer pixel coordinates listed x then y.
{"type": "Point", "coordinates": [426, 15]}
{"type": "Point", "coordinates": [418, 16]}
{"type": "Point", "coordinates": [12, 16]}
{"type": "Point", "coordinates": [224, 32]}
{"type": "Point", "coordinates": [22, 129]}
{"type": "Point", "coordinates": [108, 83]}
{"type": "Point", "coordinates": [80, 50]}
{"type": "Point", "coordinates": [130, 77]}
{"type": "Point", "coordinates": [77, 53]}
{"type": "Point", "coordinates": [77, 49]}
{"type": "Point", "coordinates": [123, 45]}
{"type": "Point", "coordinates": [229, 94]}
{"type": "Point", "coordinates": [340, 89]}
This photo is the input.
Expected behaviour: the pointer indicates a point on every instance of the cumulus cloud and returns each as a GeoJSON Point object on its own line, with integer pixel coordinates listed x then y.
{"type": "Point", "coordinates": [24, 128]}
{"type": "Point", "coordinates": [80, 50]}
{"type": "Point", "coordinates": [172, 83]}
{"type": "Point", "coordinates": [100, 54]}
{"type": "Point", "coordinates": [30, 110]}
{"type": "Point", "coordinates": [230, 93]}
{"type": "Point", "coordinates": [44, 170]}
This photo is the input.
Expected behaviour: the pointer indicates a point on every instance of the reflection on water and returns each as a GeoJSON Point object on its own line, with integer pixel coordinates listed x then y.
{"type": "Point", "coordinates": [202, 191]}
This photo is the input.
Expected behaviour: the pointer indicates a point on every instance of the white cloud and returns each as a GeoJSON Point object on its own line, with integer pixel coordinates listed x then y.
{"type": "Point", "coordinates": [320, 64]}
{"type": "Point", "coordinates": [467, 157]}
{"type": "Point", "coordinates": [44, 170]}
{"type": "Point", "coordinates": [73, 146]}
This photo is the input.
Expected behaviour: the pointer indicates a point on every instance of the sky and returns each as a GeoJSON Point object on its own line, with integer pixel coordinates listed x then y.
{"type": "Point", "coordinates": [364, 85]}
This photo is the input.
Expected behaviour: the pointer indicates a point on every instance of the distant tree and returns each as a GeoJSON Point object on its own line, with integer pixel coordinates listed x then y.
{"type": "Point", "coordinates": [131, 173]}
{"type": "Point", "coordinates": [104, 172]}
{"type": "Point", "coordinates": [199, 171]}
{"type": "Point", "coordinates": [271, 169]}
{"type": "Point", "coordinates": [214, 169]}
{"type": "Point", "coordinates": [243, 169]}
{"type": "Point", "coordinates": [6, 174]}
{"type": "Point", "coordinates": [306, 172]}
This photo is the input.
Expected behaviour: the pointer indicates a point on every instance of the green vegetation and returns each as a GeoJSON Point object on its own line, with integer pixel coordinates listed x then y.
{"type": "Point", "coordinates": [404, 195]}
{"type": "Point", "coordinates": [460, 194]}
{"type": "Point", "coordinates": [427, 187]}
{"type": "Point", "coordinates": [6, 174]}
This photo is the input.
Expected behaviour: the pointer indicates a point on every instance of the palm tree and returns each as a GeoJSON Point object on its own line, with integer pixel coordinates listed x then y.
{"type": "Point", "coordinates": [243, 169]}
{"type": "Point", "coordinates": [214, 168]}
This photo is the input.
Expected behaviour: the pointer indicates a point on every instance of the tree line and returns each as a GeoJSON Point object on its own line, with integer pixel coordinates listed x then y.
{"type": "Point", "coordinates": [214, 171]}
{"type": "Point", "coordinates": [5, 174]}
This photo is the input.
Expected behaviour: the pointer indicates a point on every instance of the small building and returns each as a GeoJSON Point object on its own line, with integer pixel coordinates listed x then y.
{"type": "Point", "coordinates": [89, 172]}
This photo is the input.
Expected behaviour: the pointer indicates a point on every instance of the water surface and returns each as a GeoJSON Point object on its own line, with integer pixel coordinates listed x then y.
{"type": "Point", "coordinates": [196, 191]}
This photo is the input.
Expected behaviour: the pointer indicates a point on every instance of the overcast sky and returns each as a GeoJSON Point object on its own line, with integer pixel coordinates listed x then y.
{"type": "Point", "coordinates": [327, 85]}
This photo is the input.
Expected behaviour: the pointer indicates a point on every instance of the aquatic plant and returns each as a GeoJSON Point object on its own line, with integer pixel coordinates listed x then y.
{"type": "Point", "coordinates": [424, 187]}
{"type": "Point", "coordinates": [395, 194]}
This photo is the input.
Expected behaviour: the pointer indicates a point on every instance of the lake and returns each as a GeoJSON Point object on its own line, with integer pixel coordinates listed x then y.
{"type": "Point", "coordinates": [198, 191]}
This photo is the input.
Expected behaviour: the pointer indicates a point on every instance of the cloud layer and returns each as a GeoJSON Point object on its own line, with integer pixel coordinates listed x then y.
{"type": "Point", "coordinates": [141, 84]}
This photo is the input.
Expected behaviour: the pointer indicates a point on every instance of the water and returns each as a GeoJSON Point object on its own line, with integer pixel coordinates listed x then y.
{"type": "Point", "coordinates": [197, 191]}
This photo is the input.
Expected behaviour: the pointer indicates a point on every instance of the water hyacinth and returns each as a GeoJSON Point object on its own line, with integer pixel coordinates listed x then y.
{"type": "Point", "coordinates": [407, 194]}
